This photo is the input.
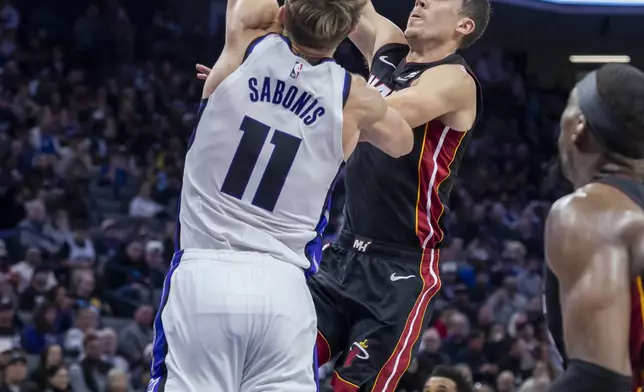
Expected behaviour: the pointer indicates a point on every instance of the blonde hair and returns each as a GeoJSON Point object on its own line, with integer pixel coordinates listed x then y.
{"type": "Point", "coordinates": [321, 24]}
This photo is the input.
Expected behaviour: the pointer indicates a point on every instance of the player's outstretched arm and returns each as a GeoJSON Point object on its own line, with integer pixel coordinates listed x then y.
{"type": "Point", "coordinates": [439, 91]}
{"type": "Point", "coordinates": [376, 123]}
{"type": "Point", "coordinates": [592, 265]}
{"type": "Point", "coordinates": [373, 32]}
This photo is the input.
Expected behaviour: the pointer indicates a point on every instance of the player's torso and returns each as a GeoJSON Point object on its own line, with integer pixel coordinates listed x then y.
{"type": "Point", "coordinates": [635, 192]}
{"type": "Point", "coordinates": [265, 154]}
{"type": "Point", "coordinates": [402, 200]}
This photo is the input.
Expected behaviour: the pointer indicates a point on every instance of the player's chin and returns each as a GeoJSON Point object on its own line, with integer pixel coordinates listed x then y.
{"type": "Point", "coordinates": [411, 32]}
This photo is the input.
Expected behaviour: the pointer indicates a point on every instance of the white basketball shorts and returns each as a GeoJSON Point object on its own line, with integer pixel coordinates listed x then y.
{"type": "Point", "coordinates": [233, 322]}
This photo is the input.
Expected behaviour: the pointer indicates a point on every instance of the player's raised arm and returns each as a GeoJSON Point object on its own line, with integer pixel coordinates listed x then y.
{"type": "Point", "coordinates": [375, 122]}
{"type": "Point", "coordinates": [374, 31]}
{"type": "Point", "coordinates": [246, 20]}
{"type": "Point", "coordinates": [250, 17]}
{"type": "Point", "coordinates": [593, 270]}
{"type": "Point", "coordinates": [440, 91]}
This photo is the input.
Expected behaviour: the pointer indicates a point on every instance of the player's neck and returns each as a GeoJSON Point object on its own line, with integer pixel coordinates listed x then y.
{"type": "Point", "coordinates": [427, 52]}
{"type": "Point", "coordinates": [311, 55]}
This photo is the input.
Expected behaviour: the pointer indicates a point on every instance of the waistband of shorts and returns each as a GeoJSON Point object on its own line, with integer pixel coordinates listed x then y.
{"type": "Point", "coordinates": [196, 255]}
{"type": "Point", "coordinates": [367, 245]}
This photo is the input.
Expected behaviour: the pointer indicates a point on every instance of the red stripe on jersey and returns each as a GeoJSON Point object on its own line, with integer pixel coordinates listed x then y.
{"type": "Point", "coordinates": [440, 144]}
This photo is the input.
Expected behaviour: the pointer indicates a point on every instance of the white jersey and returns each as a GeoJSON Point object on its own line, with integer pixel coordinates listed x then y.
{"type": "Point", "coordinates": [265, 154]}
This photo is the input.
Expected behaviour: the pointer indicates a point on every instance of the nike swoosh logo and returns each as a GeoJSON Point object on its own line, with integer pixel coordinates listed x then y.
{"type": "Point", "coordinates": [384, 60]}
{"type": "Point", "coordinates": [394, 278]}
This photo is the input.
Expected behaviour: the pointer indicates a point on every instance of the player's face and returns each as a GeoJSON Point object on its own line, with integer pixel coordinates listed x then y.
{"type": "Point", "coordinates": [572, 125]}
{"type": "Point", "coordinates": [439, 384]}
{"type": "Point", "coordinates": [437, 20]}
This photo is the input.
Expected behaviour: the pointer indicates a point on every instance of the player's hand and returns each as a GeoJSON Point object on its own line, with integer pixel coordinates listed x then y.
{"type": "Point", "coordinates": [202, 71]}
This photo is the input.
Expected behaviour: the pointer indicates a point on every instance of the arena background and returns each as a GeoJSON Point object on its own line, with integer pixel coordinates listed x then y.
{"type": "Point", "coordinates": [97, 102]}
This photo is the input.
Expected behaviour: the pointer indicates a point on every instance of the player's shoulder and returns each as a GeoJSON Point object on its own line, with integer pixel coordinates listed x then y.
{"type": "Point", "coordinates": [590, 210]}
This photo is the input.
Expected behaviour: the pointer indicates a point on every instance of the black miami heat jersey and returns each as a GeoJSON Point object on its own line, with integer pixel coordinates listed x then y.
{"type": "Point", "coordinates": [402, 200]}
{"type": "Point", "coordinates": [635, 191]}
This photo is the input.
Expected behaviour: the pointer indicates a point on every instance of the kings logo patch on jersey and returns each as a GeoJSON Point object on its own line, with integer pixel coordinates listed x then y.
{"type": "Point", "coordinates": [297, 68]}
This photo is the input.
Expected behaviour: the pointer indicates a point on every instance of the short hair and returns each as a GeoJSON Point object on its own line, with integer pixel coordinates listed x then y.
{"type": "Point", "coordinates": [321, 24]}
{"type": "Point", "coordinates": [479, 12]}
{"type": "Point", "coordinates": [451, 373]}
{"type": "Point", "coordinates": [621, 88]}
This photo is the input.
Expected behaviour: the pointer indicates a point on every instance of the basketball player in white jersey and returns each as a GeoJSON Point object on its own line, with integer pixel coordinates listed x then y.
{"type": "Point", "coordinates": [277, 120]}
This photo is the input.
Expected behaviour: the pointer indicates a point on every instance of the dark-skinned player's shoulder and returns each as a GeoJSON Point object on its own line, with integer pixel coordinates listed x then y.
{"type": "Point", "coordinates": [582, 219]}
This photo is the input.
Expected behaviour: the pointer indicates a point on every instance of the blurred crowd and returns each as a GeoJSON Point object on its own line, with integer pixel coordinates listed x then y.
{"type": "Point", "coordinates": [95, 113]}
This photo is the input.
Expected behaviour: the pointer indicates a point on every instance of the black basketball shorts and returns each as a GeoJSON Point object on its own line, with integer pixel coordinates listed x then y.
{"type": "Point", "coordinates": [372, 301]}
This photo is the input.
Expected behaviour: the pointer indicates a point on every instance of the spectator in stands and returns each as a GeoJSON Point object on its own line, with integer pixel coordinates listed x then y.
{"type": "Point", "coordinates": [448, 279]}
{"type": "Point", "coordinates": [127, 275]}
{"type": "Point", "coordinates": [50, 358]}
{"type": "Point", "coordinates": [168, 241]}
{"type": "Point", "coordinates": [117, 173]}
{"type": "Point", "coordinates": [35, 231]}
{"type": "Point", "coordinates": [142, 205]}
{"type": "Point", "coordinates": [484, 388]}
{"type": "Point", "coordinates": [109, 342]}
{"type": "Point", "coordinates": [10, 327]}
{"type": "Point", "coordinates": [78, 250]}
{"type": "Point", "coordinates": [502, 305]}
{"type": "Point", "coordinates": [430, 355]}
{"type": "Point", "coordinates": [458, 328]}
{"type": "Point", "coordinates": [136, 336]}
{"type": "Point", "coordinates": [76, 163]}
{"type": "Point", "coordinates": [89, 34]}
{"type": "Point", "coordinates": [58, 296]}
{"type": "Point", "coordinates": [535, 385]}
{"type": "Point", "coordinates": [89, 374]}
{"type": "Point", "coordinates": [42, 332]}
{"type": "Point", "coordinates": [83, 291]}
{"type": "Point", "coordinates": [85, 323]}
{"type": "Point", "coordinates": [512, 360]}
{"type": "Point", "coordinates": [10, 17]}
{"type": "Point", "coordinates": [141, 374]}
{"type": "Point", "coordinates": [26, 268]}
{"type": "Point", "coordinates": [15, 373]}
{"type": "Point", "coordinates": [481, 288]}
{"type": "Point", "coordinates": [110, 241]}
{"type": "Point", "coordinates": [506, 382]}
{"type": "Point", "coordinates": [58, 380]}
{"type": "Point", "coordinates": [117, 381]}
{"type": "Point", "coordinates": [529, 281]}
{"type": "Point", "coordinates": [38, 289]}
{"type": "Point", "coordinates": [475, 358]}
{"type": "Point", "coordinates": [462, 301]}
{"type": "Point", "coordinates": [157, 265]}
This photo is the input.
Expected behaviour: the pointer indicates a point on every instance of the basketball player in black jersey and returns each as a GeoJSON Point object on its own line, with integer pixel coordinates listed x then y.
{"type": "Point", "coordinates": [373, 291]}
{"type": "Point", "coordinates": [595, 236]}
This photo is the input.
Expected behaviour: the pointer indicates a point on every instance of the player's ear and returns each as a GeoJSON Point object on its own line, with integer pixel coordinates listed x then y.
{"type": "Point", "coordinates": [281, 15]}
{"type": "Point", "coordinates": [581, 129]}
{"type": "Point", "coordinates": [465, 26]}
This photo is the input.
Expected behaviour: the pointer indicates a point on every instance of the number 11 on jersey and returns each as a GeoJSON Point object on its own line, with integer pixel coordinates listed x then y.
{"type": "Point", "coordinates": [250, 147]}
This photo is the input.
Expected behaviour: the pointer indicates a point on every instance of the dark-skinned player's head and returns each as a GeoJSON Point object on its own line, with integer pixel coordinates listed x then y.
{"type": "Point", "coordinates": [602, 126]}
{"type": "Point", "coordinates": [461, 21]}
{"type": "Point", "coordinates": [320, 25]}
{"type": "Point", "coordinates": [447, 379]}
